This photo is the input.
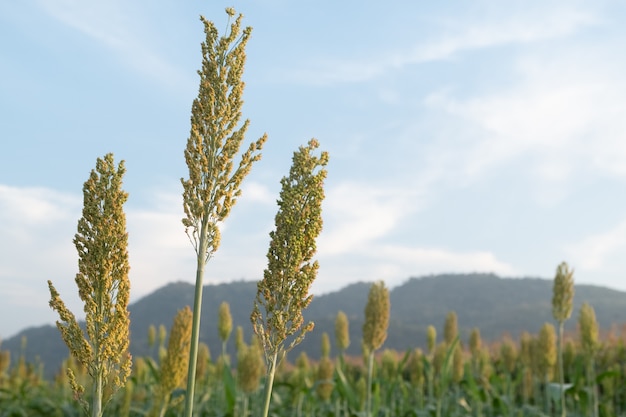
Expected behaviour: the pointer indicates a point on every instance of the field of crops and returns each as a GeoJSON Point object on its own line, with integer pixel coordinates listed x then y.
{"type": "Point", "coordinates": [448, 378]}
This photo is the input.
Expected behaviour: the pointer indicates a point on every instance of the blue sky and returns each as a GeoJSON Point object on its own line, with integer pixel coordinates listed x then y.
{"type": "Point", "coordinates": [480, 136]}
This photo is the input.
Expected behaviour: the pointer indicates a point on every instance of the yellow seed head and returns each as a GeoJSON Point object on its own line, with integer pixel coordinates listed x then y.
{"type": "Point", "coordinates": [450, 329]}
{"type": "Point", "coordinates": [216, 137]}
{"type": "Point", "coordinates": [325, 385]}
{"type": "Point", "coordinates": [546, 350]}
{"type": "Point", "coordinates": [174, 366]}
{"type": "Point", "coordinates": [475, 341]}
{"type": "Point", "coordinates": [508, 354]}
{"type": "Point", "coordinates": [239, 339]}
{"type": "Point", "coordinates": [162, 335]}
{"type": "Point", "coordinates": [203, 361]}
{"type": "Point", "coordinates": [151, 335]}
{"type": "Point", "coordinates": [283, 293]}
{"type": "Point", "coordinates": [415, 367]}
{"type": "Point", "coordinates": [101, 241]}
{"type": "Point", "coordinates": [342, 331]}
{"type": "Point", "coordinates": [250, 368]}
{"type": "Point", "coordinates": [526, 349]}
{"type": "Point", "coordinates": [458, 364]}
{"type": "Point", "coordinates": [377, 312]}
{"type": "Point", "coordinates": [588, 329]}
{"type": "Point", "coordinates": [439, 356]}
{"type": "Point", "coordinates": [302, 362]}
{"type": "Point", "coordinates": [225, 322]}
{"type": "Point", "coordinates": [431, 338]}
{"type": "Point", "coordinates": [563, 293]}
{"type": "Point", "coordinates": [325, 345]}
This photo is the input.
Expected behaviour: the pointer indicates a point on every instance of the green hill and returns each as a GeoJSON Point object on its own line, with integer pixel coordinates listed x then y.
{"type": "Point", "coordinates": [495, 305]}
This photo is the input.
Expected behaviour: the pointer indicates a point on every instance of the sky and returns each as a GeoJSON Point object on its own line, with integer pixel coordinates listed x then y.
{"type": "Point", "coordinates": [481, 136]}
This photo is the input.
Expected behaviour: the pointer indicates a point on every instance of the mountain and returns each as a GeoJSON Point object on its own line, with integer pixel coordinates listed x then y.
{"type": "Point", "coordinates": [495, 305]}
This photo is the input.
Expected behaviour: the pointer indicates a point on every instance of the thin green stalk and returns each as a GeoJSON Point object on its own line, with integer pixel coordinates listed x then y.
{"type": "Point", "coordinates": [561, 376]}
{"type": "Point", "coordinates": [96, 404]}
{"type": "Point", "coordinates": [546, 394]}
{"type": "Point", "coordinates": [195, 331]}
{"type": "Point", "coordinates": [244, 413]}
{"type": "Point", "coordinates": [430, 376]}
{"type": "Point", "coordinates": [299, 405]}
{"type": "Point", "coordinates": [594, 388]}
{"type": "Point", "coordinates": [368, 392]}
{"type": "Point", "coordinates": [269, 383]}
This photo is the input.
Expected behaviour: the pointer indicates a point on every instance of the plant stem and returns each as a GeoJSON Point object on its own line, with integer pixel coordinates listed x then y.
{"type": "Point", "coordinates": [269, 382]}
{"type": "Point", "coordinates": [370, 369]}
{"type": "Point", "coordinates": [195, 326]}
{"type": "Point", "coordinates": [96, 410]}
{"type": "Point", "coordinates": [561, 376]}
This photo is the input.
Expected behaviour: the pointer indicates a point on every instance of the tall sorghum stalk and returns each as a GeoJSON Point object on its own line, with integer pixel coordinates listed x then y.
{"type": "Point", "coordinates": [415, 368]}
{"type": "Point", "coordinates": [175, 362]}
{"type": "Point", "coordinates": [508, 357]}
{"type": "Point", "coordinates": [342, 341]}
{"type": "Point", "coordinates": [103, 285]}
{"type": "Point", "coordinates": [325, 371]}
{"type": "Point", "coordinates": [475, 344]}
{"type": "Point", "coordinates": [526, 359]}
{"type": "Point", "coordinates": [375, 327]}
{"type": "Point", "coordinates": [250, 368]}
{"type": "Point", "coordinates": [431, 339]}
{"type": "Point", "coordinates": [283, 293]}
{"type": "Point", "coordinates": [224, 327]}
{"type": "Point", "coordinates": [546, 356]}
{"type": "Point", "coordinates": [562, 304]}
{"type": "Point", "coordinates": [214, 142]}
{"type": "Point", "coordinates": [589, 344]}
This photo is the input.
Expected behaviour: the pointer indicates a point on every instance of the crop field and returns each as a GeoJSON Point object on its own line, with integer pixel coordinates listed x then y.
{"type": "Point", "coordinates": [448, 378]}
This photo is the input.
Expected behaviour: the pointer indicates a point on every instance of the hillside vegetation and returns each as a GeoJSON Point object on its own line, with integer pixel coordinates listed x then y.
{"type": "Point", "coordinates": [497, 306]}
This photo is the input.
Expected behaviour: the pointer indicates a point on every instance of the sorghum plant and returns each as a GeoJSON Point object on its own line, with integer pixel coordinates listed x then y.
{"type": "Point", "coordinates": [375, 327]}
{"type": "Point", "coordinates": [174, 365]}
{"type": "Point", "coordinates": [214, 142]}
{"type": "Point", "coordinates": [342, 332]}
{"type": "Point", "coordinates": [283, 293]}
{"type": "Point", "coordinates": [224, 325]}
{"type": "Point", "coordinates": [562, 304]}
{"type": "Point", "coordinates": [589, 344]}
{"type": "Point", "coordinates": [103, 285]}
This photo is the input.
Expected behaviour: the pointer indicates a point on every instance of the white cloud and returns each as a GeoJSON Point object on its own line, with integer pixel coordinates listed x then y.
{"type": "Point", "coordinates": [356, 214]}
{"type": "Point", "coordinates": [431, 260]}
{"type": "Point", "coordinates": [35, 223]}
{"type": "Point", "coordinates": [523, 26]}
{"type": "Point", "coordinates": [34, 205]}
{"type": "Point", "coordinates": [113, 25]}
{"type": "Point", "coordinates": [394, 264]}
{"type": "Point", "coordinates": [256, 192]}
{"type": "Point", "coordinates": [502, 27]}
{"type": "Point", "coordinates": [559, 124]}
{"type": "Point", "coordinates": [594, 252]}
{"type": "Point", "coordinates": [37, 226]}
